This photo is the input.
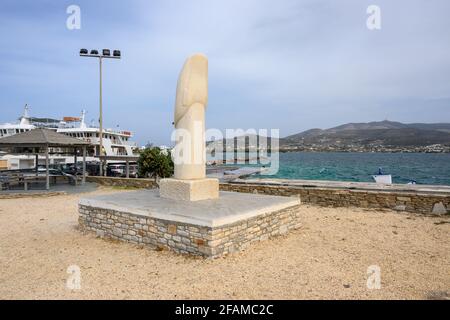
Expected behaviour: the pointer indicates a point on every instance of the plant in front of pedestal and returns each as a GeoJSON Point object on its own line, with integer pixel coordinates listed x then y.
{"type": "Point", "coordinates": [155, 163]}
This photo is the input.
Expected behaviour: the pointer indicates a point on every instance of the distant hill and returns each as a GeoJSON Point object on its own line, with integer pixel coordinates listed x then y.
{"type": "Point", "coordinates": [382, 133]}
{"type": "Point", "coordinates": [381, 136]}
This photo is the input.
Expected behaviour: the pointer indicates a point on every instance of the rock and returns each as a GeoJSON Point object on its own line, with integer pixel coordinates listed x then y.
{"type": "Point", "coordinates": [172, 229]}
{"type": "Point", "coordinates": [400, 208]}
{"type": "Point", "coordinates": [117, 232]}
{"type": "Point", "coordinates": [439, 209]}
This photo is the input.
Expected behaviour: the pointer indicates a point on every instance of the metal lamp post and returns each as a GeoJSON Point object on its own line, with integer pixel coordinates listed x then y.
{"type": "Point", "coordinates": [106, 53]}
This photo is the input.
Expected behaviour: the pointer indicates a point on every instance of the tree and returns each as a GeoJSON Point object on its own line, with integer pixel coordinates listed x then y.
{"type": "Point", "coordinates": [155, 163]}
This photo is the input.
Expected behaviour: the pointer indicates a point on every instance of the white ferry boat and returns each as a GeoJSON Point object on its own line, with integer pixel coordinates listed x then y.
{"type": "Point", "coordinates": [115, 142]}
{"type": "Point", "coordinates": [9, 129]}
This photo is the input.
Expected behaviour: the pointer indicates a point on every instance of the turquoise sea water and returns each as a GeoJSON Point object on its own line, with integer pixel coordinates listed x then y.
{"type": "Point", "coordinates": [425, 168]}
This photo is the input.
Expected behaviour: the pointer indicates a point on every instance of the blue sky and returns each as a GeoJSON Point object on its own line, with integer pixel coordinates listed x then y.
{"type": "Point", "coordinates": [292, 65]}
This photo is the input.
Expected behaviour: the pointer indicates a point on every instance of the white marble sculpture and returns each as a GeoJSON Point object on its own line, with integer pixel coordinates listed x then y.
{"type": "Point", "coordinates": [189, 118]}
{"type": "Point", "coordinates": [189, 181]}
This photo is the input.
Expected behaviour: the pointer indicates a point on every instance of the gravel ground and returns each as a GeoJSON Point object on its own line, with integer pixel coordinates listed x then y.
{"type": "Point", "coordinates": [327, 258]}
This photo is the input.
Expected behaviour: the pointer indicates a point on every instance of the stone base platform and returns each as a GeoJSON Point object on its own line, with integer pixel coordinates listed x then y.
{"type": "Point", "coordinates": [189, 190]}
{"type": "Point", "coordinates": [208, 228]}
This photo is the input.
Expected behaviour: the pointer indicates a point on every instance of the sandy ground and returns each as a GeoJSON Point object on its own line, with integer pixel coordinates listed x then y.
{"type": "Point", "coordinates": [327, 258]}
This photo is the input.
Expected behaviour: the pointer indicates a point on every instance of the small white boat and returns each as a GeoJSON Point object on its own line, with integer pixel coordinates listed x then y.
{"type": "Point", "coordinates": [383, 178]}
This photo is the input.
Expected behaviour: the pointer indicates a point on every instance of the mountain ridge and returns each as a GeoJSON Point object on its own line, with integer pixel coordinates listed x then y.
{"type": "Point", "coordinates": [369, 135]}
{"type": "Point", "coordinates": [375, 136]}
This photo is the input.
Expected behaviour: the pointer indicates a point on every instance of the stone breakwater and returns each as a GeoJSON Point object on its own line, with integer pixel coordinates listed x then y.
{"type": "Point", "coordinates": [123, 182]}
{"type": "Point", "coordinates": [184, 237]}
{"type": "Point", "coordinates": [410, 201]}
{"type": "Point", "coordinates": [31, 195]}
{"type": "Point", "coordinates": [415, 199]}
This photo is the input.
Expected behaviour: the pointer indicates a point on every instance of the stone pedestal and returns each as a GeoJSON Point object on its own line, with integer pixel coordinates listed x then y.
{"type": "Point", "coordinates": [189, 190]}
{"type": "Point", "coordinates": [209, 228]}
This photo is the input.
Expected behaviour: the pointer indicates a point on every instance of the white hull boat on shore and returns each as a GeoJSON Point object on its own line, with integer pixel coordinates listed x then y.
{"type": "Point", "coordinates": [383, 178]}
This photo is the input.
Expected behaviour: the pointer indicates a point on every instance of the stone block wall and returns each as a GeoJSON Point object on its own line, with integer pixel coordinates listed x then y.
{"type": "Point", "coordinates": [123, 182]}
{"type": "Point", "coordinates": [43, 194]}
{"type": "Point", "coordinates": [187, 238]}
{"type": "Point", "coordinates": [402, 201]}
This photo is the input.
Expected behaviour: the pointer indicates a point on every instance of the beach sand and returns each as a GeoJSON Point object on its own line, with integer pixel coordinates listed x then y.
{"type": "Point", "coordinates": [327, 258]}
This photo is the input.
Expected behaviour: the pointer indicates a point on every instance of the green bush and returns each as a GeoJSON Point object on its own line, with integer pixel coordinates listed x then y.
{"type": "Point", "coordinates": [155, 163]}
